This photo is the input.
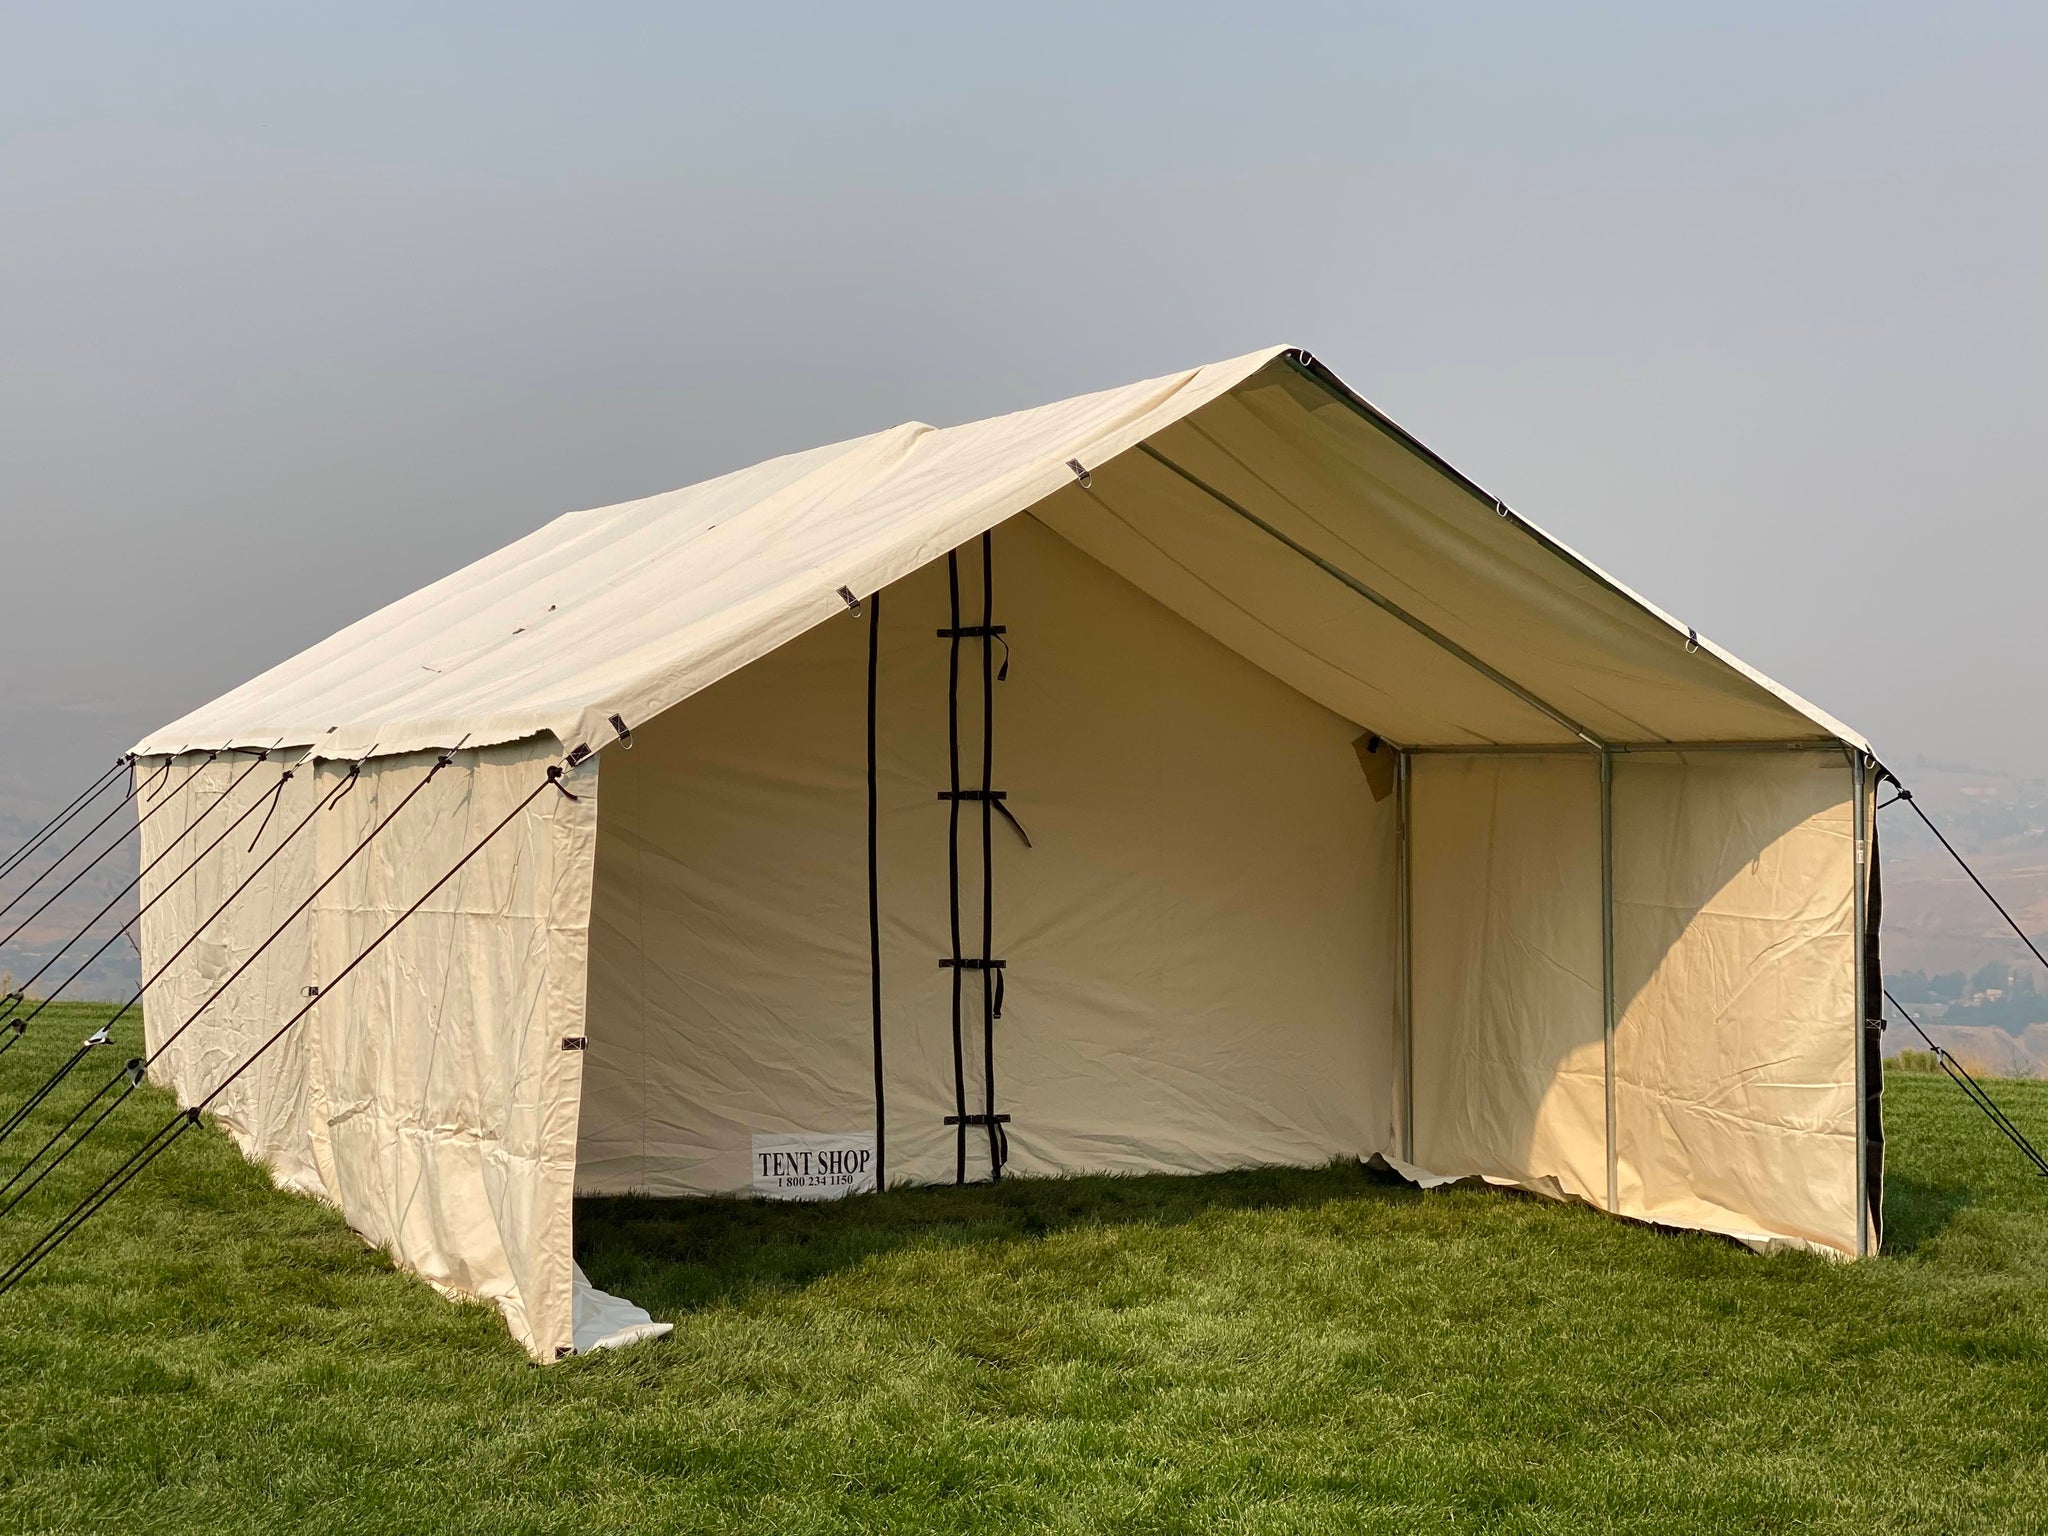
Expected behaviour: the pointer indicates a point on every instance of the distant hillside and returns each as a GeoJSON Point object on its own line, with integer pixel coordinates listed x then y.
{"type": "Point", "coordinates": [113, 974]}
{"type": "Point", "coordinates": [1948, 956]}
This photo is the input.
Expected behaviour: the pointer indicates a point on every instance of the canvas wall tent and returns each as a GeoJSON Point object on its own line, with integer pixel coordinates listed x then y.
{"type": "Point", "coordinates": [1363, 819]}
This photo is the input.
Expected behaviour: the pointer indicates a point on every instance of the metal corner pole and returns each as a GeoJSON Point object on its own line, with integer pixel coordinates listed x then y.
{"type": "Point", "coordinates": [1607, 998]}
{"type": "Point", "coordinates": [1405, 961]}
{"type": "Point", "coordinates": [1861, 877]}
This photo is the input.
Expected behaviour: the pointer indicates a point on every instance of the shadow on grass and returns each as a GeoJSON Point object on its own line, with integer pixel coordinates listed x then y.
{"type": "Point", "coordinates": [675, 1256]}
{"type": "Point", "coordinates": [1917, 1210]}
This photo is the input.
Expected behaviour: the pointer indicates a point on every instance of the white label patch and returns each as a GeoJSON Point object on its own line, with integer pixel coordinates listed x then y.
{"type": "Point", "coordinates": [814, 1165]}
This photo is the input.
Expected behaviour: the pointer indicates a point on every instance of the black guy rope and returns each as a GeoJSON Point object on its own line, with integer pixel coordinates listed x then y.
{"type": "Point", "coordinates": [168, 1133]}
{"type": "Point", "coordinates": [19, 1025]}
{"type": "Point", "coordinates": [21, 994]}
{"type": "Point", "coordinates": [56, 823]}
{"type": "Point", "coordinates": [1906, 795]}
{"type": "Point", "coordinates": [135, 1070]}
{"type": "Point", "coordinates": [58, 863]}
{"type": "Point", "coordinates": [102, 1035]}
{"type": "Point", "coordinates": [1975, 1092]}
{"type": "Point", "coordinates": [104, 1032]}
{"type": "Point", "coordinates": [96, 859]}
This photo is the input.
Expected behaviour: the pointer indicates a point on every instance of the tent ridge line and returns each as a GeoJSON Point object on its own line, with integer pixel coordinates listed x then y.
{"type": "Point", "coordinates": [1387, 605]}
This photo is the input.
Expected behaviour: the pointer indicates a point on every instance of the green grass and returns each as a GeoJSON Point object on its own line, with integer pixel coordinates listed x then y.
{"type": "Point", "coordinates": [1269, 1351]}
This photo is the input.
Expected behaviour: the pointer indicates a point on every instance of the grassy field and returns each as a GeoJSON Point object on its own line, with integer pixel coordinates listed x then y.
{"type": "Point", "coordinates": [1269, 1351]}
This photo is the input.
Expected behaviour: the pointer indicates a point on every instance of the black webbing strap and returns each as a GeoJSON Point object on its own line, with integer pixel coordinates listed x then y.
{"type": "Point", "coordinates": [1975, 1092]}
{"type": "Point", "coordinates": [56, 824]}
{"type": "Point", "coordinates": [997, 1142]}
{"type": "Point", "coordinates": [1003, 810]}
{"type": "Point", "coordinates": [995, 1124]}
{"type": "Point", "coordinates": [992, 802]}
{"type": "Point", "coordinates": [953, 861]}
{"type": "Point", "coordinates": [185, 1119]}
{"type": "Point", "coordinates": [997, 797]}
{"type": "Point", "coordinates": [875, 887]}
{"type": "Point", "coordinates": [996, 632]}
{"type": "Point", "coordinates": [327, 802]}
{"type": "Point", "coordinates": [20, 1025]}
{"type": "Point", "coordinates": [971, 963]}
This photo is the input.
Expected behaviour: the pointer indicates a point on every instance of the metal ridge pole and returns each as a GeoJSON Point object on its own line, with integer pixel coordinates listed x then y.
{"type": "Point", "coordinates": [1385, 604]}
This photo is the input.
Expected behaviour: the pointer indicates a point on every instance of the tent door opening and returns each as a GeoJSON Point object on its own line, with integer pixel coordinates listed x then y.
{"type": "Point", "coordinates": [982, 963]}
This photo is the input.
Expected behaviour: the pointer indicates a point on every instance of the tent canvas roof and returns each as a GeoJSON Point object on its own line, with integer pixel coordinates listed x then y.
{"type": "Point", "coordinates": [1258, 497]}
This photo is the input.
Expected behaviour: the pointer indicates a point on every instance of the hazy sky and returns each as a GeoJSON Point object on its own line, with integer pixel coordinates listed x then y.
{"type": "Point", "coordinates": [300, 308]}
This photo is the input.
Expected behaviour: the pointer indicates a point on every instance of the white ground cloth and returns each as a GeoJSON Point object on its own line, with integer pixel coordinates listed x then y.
{"type": "Point", "coordinates": [605, 1321]}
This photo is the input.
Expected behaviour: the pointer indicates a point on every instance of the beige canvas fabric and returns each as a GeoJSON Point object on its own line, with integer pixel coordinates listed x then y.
{"type": "Point", "coordinates": [1509, 1012]}
{"type": "Point", "coordinates": [427, 1095]}
{"type": "Point", "coordinates": [1216, 582]}
{"type": "Point", "coordinates": [266, 1108]}
{"type": "Point", "coordinates": [629, 610]}
{"type": "Point", "coordinates": [1199, 943]}
{"type": "Point", "coordinates": [1735, 1072]}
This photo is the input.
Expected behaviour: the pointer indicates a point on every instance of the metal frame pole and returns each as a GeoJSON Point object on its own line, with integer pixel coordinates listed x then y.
{"type": "Point", "coordinates": [1607, 997]}
{"type": "Point", "coordinates": [1379, 600]}
{"type": "Point", "coordinates": [1403, 872]}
